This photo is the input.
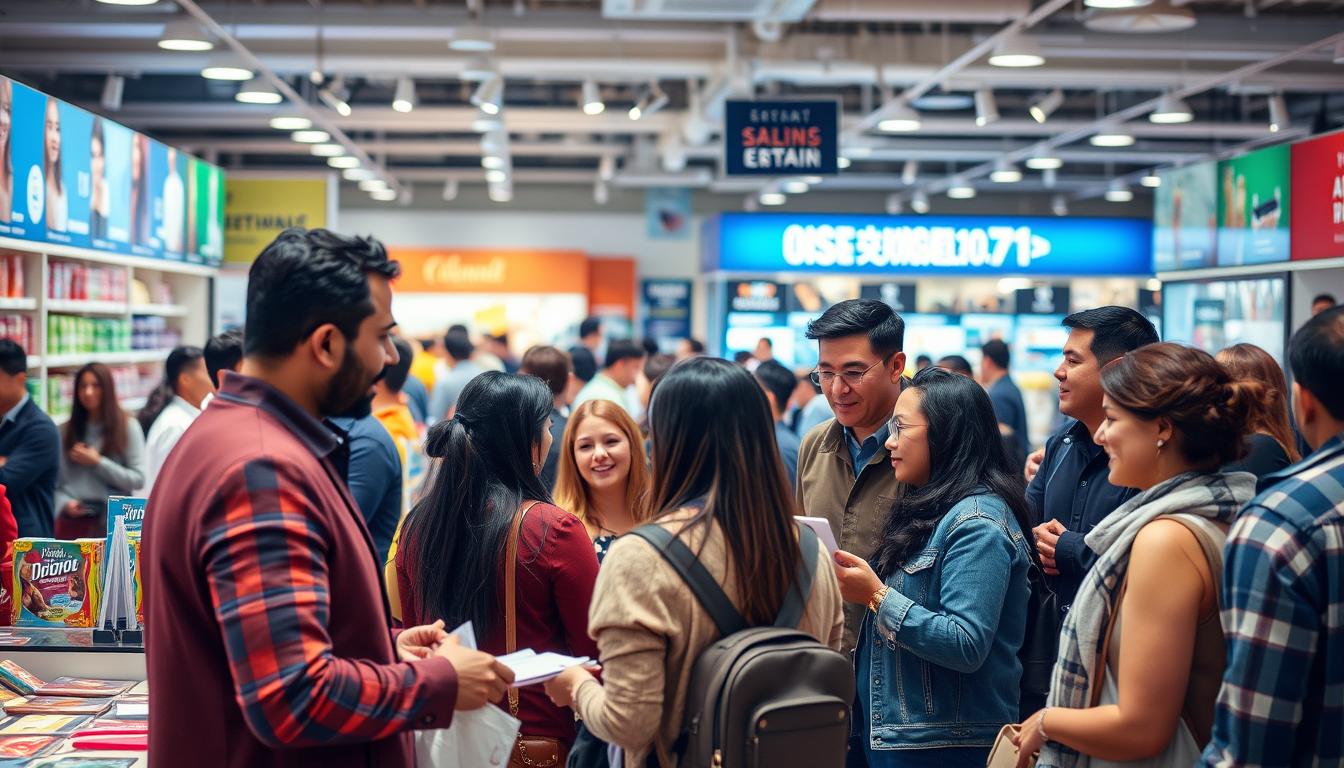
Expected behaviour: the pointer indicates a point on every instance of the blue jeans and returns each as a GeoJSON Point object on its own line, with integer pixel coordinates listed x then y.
{"type": "Point", "coordinates": [937, 757]}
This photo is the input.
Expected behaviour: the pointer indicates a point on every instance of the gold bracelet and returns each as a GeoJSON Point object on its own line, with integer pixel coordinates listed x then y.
{"type": "Point", "coordinates": [875, 601]}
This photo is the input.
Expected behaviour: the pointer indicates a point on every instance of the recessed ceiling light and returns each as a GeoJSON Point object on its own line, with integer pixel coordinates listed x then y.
{"type": "Point", "coordinates": [1017, 50]}
{"type": "Point", "coordinates": [344, 161]}
{"type": "Point", "coordinates": [311, 137]}
{"type": "Point", "coordinates": [327, 150]}
{"type": "Point", "coordinates": [291, 123]}
{"type": "Point", "coordinates": [184, 35]}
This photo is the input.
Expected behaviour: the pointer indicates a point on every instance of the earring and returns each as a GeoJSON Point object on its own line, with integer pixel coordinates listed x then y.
{"type": "Point", "coordinates": [1161, 443]}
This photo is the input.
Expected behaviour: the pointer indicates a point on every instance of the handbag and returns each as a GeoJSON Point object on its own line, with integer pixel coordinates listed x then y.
{"type": "Point", "coordinates": [529, 751]}
{"type": "Point", "coordinates": [1004, 753]}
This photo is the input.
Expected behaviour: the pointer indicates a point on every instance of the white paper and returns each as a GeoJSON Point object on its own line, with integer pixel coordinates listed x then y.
{"type": "Point", "coordinates": [530, 667]}
{"type": "Point", "coordinates": [822, 527]}
{"type": "Point", "coordinates": [481, 737]}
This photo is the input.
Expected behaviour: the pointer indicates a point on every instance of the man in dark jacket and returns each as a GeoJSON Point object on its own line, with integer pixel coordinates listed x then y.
{"type": "Point", "coordinates": [30, 447]}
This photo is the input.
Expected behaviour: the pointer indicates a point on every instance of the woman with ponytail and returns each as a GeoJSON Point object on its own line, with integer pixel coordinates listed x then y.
{"type": "Point", "coordinates": [1141, 654]}
{"type": "Point", "coordinates": [453, 560]}
{"type": "Point", "coordinates": [172, 407]}
{"type": "Point", "coordinates": [1271, 445]}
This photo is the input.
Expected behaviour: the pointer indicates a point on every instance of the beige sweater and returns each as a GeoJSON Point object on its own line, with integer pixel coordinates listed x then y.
{"type": "Point", "coordinates": [650, 629]}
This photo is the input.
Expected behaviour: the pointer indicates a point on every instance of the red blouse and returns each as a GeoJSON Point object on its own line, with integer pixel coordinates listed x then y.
{"type": "Point", "coordinates": [555, 580]}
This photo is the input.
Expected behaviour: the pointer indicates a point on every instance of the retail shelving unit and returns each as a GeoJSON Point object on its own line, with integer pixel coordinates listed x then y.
{"type": "Point", "coordinates": [188, 284]}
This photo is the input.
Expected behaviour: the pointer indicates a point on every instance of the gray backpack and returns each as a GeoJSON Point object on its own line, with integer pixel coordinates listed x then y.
{"type": "Point", "coordinates": [760, 696]}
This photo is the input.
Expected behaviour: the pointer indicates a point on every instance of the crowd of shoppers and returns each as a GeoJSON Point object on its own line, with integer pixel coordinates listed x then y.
{"type": "Point", "coordinates": [295, 569]}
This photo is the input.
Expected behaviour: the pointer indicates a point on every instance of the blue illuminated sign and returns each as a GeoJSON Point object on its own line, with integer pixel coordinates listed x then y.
{"type": "Point", "coordinates": [926, 245]}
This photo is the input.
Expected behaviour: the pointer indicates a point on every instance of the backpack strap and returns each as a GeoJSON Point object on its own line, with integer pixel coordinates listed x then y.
{"type": "Point", "coordinates": [795, 600]}
{"type": "Point", "coordinates": [702, 583]}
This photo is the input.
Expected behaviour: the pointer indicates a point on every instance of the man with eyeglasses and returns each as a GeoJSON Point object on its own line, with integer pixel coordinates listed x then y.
{"type": "Point", "coordinates": [843, 474]}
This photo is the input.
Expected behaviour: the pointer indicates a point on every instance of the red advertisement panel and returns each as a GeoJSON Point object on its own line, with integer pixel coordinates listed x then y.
{"type": "Point", "coordinates": [1318, 198]}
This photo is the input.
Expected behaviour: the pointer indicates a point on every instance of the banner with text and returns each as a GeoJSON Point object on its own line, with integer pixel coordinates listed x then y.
{"type": "Point", "coordinates": [1318, 197]}
{"type": "Point", "coordinates": [781, 138]}
{"type": "Point", "coordinates": [259, 209]}
{"type": "Point", "coordinates": [667, 310]}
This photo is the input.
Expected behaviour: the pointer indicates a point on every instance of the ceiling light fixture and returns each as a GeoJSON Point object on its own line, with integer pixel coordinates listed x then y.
{"type": "Point", "coordinates": [1157, 16]}
{"type": "Point", "coordinates": [1151, 180]}
{"type": "Point", "coordinates": [1017, 50]}
{"type": "Point", "coordinates": [113, 89]}
{"type": "Point", "coordinates": [843, 162]}
{"type": "Point", "coordinates": [1111, 4]}
{"type": "Point", "coordinates": [327, 150]}
{"type": "Point", "coordinates": [590, 99]}
{"type": "Point", "coordinates": [919, 201]}
{"type": "Point", "coordinates": [478, 69]}
{"type": "Point", "coordinates": [601, 192]}
{"type": "Point", "coordinates": [986, 110]}
{"type": "Point", "coordinates": [1278, 113]}
{"type": "Point", "coordinates": [291, 123]}
{"type": "Point", "coordinates": [450, 190]}
{"type": "Point", "coordinates": [1044, 162]}
{"type": "Point", "coordinates": [493, 162]}
{"type": "Point", "coordinates": [1171, 110]}
{"type": "Point", "coordinates": [501, 194]}
{"type": "Point", "coordinates": [606, 168]}
{"type": "Point", "coordinates": [1059, 205]}
{"type": "Point", "coordinates": [311, 137]}
{"type": "Point", "coordinates": [490, 95]}
{"type": "Point", "coordinates": [225, 68]}
{"type": "Point", "coordinates": [485, 123]}
{"type": "Point", "coordinates": [1049, 178]}
{"type": "Point", "coordinates": [1046, 105]}
{"type": "Point", "coordinates": [909, 172]}
{"type": "Point", "coordinates": [1118, 192]}
{"type": "Point", "coordinates": [372, 185]}
{"type": "Point", "coordinates": [471, 39]}
{"type": "Point", "coordinates": [794, 186]}
{"type": "Point", "coordinates": [812, 181]}
{"type": "Point", "coordinates": [128, 2]}
{"type": "Point", "coordinates": [496, 176]}
{"type": "Point", "coordinates": [405, 99]}
{"type": "Point", "coordinates": [357, 174]}
{"type": "Point", "coordinates": [895, 204]}
{"type": "Point", "coordinates": [1005, 173]}
{"type": "Point", "coordinates": [961, 190]}
{"type": "Point", "coordinates": [336, 96]}
{"type": "Point", "coordinates": [902, 118]}
{"type": "Point", "coordinates": [384, 195]}
{"type": "Point", "coordinates": [1112, 135]}
{"type": "Point", "coordinates": [650, 102]}
{"type": "Point", "coordinates": [258, 91]}
{"type": "Point", "coordinates": [344, 161]}
{"type": "Point", "coordinates": [184, 35]}
{"type": "Point", "coordinates": [772, 198]}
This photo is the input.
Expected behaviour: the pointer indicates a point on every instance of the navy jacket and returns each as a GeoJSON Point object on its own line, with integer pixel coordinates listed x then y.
{"type": "Point", "coordinates": [1073, 488]}
{"type": "Point", "coordinates": [32, 450]}
{"type": "Point", "coordinates": [374, 478]}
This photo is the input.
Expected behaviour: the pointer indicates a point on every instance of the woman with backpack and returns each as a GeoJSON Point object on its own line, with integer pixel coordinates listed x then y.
{"type": "Point", "coordinates": [937, 657]}
{"type": "Point", "coordinates": [486, 545]}
{"type": "Point", "coordinates": [720, 489]}
{"type": "Point", "coordinates": [1141, 654]}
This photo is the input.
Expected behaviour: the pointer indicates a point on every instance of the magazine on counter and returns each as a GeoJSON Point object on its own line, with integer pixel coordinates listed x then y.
{"type": "Point", "coordinates": [57, 705]}
{"type": "Point", "coordinates": [18, 679]}
{"type": "Point", "coordinates": [42, 725]}
{"type": "Point", "coordinates": [84, 687]}
{"type": "Point", "coordinates": [26, 746]}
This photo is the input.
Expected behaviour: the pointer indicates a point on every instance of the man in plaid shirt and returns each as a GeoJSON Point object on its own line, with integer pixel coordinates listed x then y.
{"type": "Point", "coordinates": [268, 635]}
{"type": "Point", "coordinates": [1282, 700]}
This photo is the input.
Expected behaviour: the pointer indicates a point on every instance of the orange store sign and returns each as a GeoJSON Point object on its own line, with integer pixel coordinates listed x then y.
{"type": "Point", "coordinates": [490, 270]}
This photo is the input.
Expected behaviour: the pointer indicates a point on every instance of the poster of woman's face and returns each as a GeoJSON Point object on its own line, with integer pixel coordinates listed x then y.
{"type": "Point", "coordinates": [141, 205]}
{"type": "Point", "coordinates": [6, 156]}
{"type": "Point", "coordinates": [51, 167]}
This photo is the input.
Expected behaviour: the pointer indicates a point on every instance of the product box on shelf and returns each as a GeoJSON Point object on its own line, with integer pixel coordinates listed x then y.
{"type": "Point", "coordinates": [18, 328]}
{"type": "Point", "coordinates": [55, 583]}
{"type": "Point", "coordinates": [82, 282]}
{"type": "Point", "coordinates": [12, 282]}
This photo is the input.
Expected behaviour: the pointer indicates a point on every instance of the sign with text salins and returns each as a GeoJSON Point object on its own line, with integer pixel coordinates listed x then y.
{"type": "Point", "coordinates": [1318, 197]}
{"type": "Point", "coordinates": [928, 245]}
{"type": "Point", "coordinates": [781, 138]}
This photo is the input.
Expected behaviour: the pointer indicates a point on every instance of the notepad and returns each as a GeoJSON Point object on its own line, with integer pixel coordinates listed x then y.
{"type": "Point", "coordinates": [530, 667]}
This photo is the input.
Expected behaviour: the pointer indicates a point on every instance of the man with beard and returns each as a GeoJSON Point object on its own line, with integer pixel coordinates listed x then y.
{"type": "Point", "coordinates": [268, 640]}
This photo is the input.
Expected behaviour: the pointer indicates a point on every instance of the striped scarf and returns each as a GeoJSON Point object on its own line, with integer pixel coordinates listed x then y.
{"type": "Point", "coordinates": [1215, 496]}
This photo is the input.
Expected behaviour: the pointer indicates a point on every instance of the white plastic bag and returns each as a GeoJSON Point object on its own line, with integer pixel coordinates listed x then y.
{"type": "Point", "coordinates": [482, 737]}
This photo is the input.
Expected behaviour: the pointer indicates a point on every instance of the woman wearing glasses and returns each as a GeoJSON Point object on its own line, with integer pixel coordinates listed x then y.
{"type": "Point", "coordinates": [947, 590]}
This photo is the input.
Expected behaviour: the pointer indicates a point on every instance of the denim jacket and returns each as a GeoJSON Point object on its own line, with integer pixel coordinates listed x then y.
{"type": "Point", "coordinates": [942, 648]}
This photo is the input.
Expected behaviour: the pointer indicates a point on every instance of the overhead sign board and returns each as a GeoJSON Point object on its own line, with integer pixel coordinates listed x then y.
{"type": "Point", "coordinates": [781, 138]}
{"type": "Point", "coordinates": [1318, 197]}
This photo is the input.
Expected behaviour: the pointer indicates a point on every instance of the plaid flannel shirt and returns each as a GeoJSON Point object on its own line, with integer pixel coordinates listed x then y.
{"type": "Point", "coordinates": [1282, 700]}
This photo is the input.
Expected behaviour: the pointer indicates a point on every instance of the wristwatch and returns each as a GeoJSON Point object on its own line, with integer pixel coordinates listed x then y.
{"type": "Point", "coordinates": [875, 601]}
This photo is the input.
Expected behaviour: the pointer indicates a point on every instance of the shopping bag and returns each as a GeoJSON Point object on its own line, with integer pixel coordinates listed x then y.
{"type": "Point", "coordinates": [482, 737]}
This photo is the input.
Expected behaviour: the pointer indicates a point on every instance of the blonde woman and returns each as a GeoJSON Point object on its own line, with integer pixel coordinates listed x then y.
{"type": "Point", "coordinates": [603, 472]}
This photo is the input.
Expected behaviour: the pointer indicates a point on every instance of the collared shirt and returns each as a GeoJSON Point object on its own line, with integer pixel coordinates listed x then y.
{"type": "Point", "coordinates": [788, 450]}
{"type": "Point", "coordinates": [603, 387]}
{"type": "Point", "coordinates": [167, 429]}
{"type": "Point", "coordinates": [861, 454]}
{"type": "Point", "coordinates": [13, 413]}
{"type": "Point", "coordinates": [265, 586]}
{"type": "Point", "coordinates": [1073, 487]}
{"type": "Point", "coordinates": [1283, 615]}
{"type": "Point", "coordinates": [374, 478]}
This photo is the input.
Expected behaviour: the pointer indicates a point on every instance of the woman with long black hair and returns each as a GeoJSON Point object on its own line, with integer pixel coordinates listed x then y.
{"type": "Point", "coordinates": [485, 503]}
{"type": "Point", "coordinates": [720, 486]}
{"type": "Point", "coordinates": [936, 662]}
{"type": "Point", "coordinates": [102, 454]}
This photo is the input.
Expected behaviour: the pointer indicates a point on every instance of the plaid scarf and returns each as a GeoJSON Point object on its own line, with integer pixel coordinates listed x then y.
{"type": "Point", "coordinates": [1215, 496]}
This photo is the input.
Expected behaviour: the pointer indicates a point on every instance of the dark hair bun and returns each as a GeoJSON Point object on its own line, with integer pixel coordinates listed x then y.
{"type": "Point", "coordinates": [1209, 411]}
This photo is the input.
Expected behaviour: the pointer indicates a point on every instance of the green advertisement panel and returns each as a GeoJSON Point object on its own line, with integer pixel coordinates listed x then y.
{"type": "Point", "coordinates": [1253, 212]}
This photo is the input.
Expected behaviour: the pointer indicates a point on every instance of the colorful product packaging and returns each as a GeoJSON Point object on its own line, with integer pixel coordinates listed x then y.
{"type": "Point", "coordinates": [56, 583]}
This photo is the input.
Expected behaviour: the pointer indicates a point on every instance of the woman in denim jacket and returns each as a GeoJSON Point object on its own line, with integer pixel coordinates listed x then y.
{"type": "Point", "coordinates": [936, 660]}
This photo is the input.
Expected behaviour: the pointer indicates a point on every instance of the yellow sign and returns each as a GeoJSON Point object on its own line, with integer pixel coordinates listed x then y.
{"type": "Point", "coordinates": [259, 209]}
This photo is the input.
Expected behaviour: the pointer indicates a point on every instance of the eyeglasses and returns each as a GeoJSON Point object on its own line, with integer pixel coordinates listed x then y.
{"type": "Point", "coordinates": [895, 427]}
{"type": "Point", "coordinates": [852, 378]}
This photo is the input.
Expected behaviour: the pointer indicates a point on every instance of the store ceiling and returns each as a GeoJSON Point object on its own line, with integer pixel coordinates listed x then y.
{"type": "Point", "coordinates": [874, 55]}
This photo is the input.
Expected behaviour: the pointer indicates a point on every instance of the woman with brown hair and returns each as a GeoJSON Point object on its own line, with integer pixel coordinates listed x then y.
{"type": "Point", "coordinates": [1141, 653]}
{"type": "Point", "coordinates": [719, 487]}
{"type": "Point", "coordinates": [102, 455]}
{"type": "Point", "coordinates": [1271, 445]}
{"type": "Point", "coordinates": [603, 472]}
